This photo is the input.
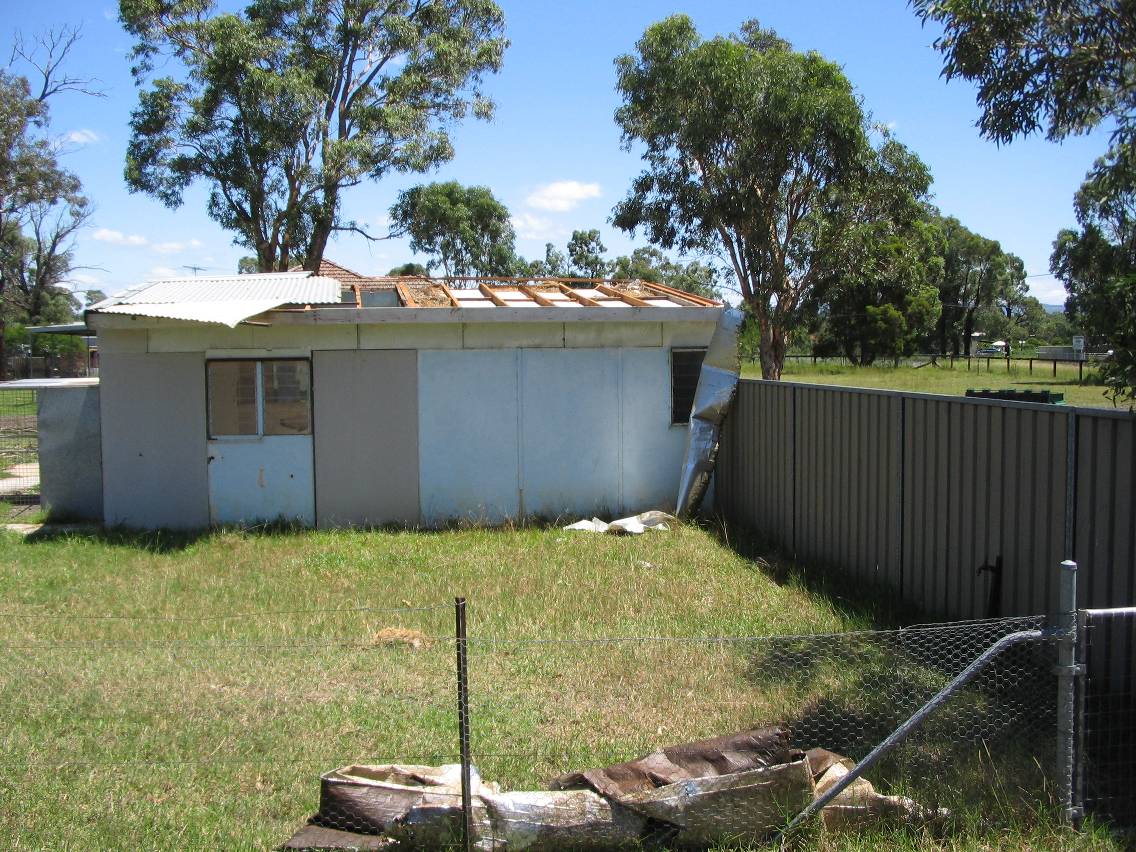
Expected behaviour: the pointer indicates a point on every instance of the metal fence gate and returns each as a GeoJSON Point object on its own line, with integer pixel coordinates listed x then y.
{"type": "Point", "coordinates": [19, 450]}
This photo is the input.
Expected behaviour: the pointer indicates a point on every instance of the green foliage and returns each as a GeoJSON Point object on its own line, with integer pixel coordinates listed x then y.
{"type": "Point", "coordinates": [748, 147]}
{"type": "Point", "coordinates": [465, 230]}
{"type": "Point", "coordinates": [1098, 267]}
{"type": "Point", "coordinates": [585, 251]}
{"type": "Point", "coordinates": [880, 296]}
{"type": "Point", "coordinates": [41, 206]}
{"type": "Point", "coordinates": [976, 275]}
{"type": "Point", "coordinates": [650, 264]}
{"type": "Point", "coordinates": [1062, 66]}
{"type": "Point", "coordinates": [282, 106]}
{"type": "Point", "coordinates": [416, 269]}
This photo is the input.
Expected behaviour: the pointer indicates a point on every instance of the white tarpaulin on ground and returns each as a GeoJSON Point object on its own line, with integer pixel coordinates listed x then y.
{"type": "Point", "coordinates": [634, 525]}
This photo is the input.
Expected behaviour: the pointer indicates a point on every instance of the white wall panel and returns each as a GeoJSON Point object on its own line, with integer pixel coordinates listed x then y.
{"type": "Point", "coordinates": [468, 435]}
{"type": "Point", "coordinates": [652, 448]}
{"type": "Point", "coordinates": [571, 431]}
{"type": "Point", "coordinates": [153, 440]}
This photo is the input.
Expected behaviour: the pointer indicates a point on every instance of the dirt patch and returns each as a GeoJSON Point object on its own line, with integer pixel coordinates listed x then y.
{"type": "Point", "coordinates": [415, 639]}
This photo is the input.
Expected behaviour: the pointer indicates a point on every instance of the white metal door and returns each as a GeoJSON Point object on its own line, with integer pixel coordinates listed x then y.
{"type": "Point", "coordinates": [260, 442]}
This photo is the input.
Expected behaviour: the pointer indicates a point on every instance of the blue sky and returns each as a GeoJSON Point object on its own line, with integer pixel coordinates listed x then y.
{"type": "Point", "coordinates": [552, 154]}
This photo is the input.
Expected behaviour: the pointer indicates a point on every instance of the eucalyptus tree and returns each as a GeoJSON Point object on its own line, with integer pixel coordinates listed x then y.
{"type": "Point", "coordinates": [1097, 264]}
{"type": "Point", "coordinates": [879, 297]}
{"type": "Point", "coordinates": [41, 203]}
{"type": "Point", "coordinates": [464, 230]}
{"type": "Point", "coordinates": [282, 106]}
{"type": "Point", "coordinates": [748, 146]}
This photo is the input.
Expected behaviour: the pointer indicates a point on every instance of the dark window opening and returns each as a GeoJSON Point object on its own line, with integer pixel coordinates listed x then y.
{"type": "Point", "coordinates": [259, 397]}
{"type": "Point", "coordinates": [685, 366]}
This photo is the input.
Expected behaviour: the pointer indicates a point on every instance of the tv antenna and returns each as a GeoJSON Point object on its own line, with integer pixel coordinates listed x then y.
{"type": "Point", "coordinates": [195, 269]}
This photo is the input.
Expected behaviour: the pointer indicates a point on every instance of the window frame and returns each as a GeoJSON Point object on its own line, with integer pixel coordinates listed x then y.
{"type": "Point", "coordinates": [259, 400]}
{"type": "Point", "coordinates": [685, 421]}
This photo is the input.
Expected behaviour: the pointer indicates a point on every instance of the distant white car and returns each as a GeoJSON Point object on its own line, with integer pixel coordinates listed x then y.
{"type": "Point", "coordinates": [990, 352]}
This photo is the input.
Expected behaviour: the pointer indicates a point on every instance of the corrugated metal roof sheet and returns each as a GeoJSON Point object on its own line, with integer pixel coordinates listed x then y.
{"type": "Point", "coordinates": [226, 299]}
{"type": "Point", "coordinates": [231, 313]}
{"type": "Point", "coordinates": [295, 288]}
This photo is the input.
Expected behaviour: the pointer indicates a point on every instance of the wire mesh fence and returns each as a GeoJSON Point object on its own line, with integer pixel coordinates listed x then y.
{"type": "Point", "coordinates": [208, 731]}
{"type": "Point", "coordinates": [1108, 715]}
{"type": "Point", "coordinates": [19, 447]}
{"type": "Point", "coordinates": [570, 706]}
{"type": "Point", "coordinates": [227, 730]}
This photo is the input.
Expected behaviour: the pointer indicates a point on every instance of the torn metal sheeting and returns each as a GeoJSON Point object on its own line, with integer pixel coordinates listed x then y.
{"type": "Point", "coordinates": [634, 525]}
{"type": "Point", "coordinates": [717, 385]}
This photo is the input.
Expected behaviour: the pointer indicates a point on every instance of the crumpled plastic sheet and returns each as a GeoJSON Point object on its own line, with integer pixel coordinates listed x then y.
{"type": "Point", "coordinates": [634, 525]}
{"type": "Point", "coordinates": [717, 385]}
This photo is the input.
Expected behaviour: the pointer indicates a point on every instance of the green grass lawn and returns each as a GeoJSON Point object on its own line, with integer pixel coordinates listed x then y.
{"type": "Point", "coordinates": [170, 692]}
{"type": "Point", "coordinates": [946, 380]}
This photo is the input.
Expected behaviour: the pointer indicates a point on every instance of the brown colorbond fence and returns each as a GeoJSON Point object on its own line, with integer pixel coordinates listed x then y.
{"type": "Point", "coordinates": [919, 492]}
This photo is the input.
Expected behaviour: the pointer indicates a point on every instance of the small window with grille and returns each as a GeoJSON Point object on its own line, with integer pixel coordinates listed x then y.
{"type": "Point", "coordinates": [685, 366]}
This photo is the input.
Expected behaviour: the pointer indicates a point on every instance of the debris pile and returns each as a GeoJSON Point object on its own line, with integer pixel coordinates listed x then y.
{"type": "Point", "coordinates": [743, 787]}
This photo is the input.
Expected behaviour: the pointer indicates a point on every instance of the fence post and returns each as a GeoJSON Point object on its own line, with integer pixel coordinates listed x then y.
{"type": "Point", "coordinates": [463, 725]}
{"type": "Point", "coordinates": [1067, 672]}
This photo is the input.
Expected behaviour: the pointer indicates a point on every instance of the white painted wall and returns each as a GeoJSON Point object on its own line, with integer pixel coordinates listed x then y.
{"type": "Point", "coordinates": [468, 435]}
{"type": "Point", "coordinates": [551, 432]}
{"type": "Point", "coordinates": [561, 420]}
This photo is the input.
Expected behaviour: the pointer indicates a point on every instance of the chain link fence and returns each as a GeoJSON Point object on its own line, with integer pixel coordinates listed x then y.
{"type": "Point", "coordinates": [564, 706]}
{"type": "Point", "coordinates": [214, 732]}
{"type": "Point", "coordinates": [19, 450]}
{"type": "Point", "coordinates": [209, 732]}
{"type": "Point", "coordinates": [1107, 735]}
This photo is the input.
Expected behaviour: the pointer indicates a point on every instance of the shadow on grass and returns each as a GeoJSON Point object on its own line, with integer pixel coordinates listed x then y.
{"type": "Point", "coordinates": [991, 745]}
{"type": "Point", "coordinates": [171, 541]}
{"type": "Point", "coordinates": [870, 603]}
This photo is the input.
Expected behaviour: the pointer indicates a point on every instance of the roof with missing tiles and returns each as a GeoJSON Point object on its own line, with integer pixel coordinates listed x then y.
{"type": "Point", "coordinates": [230, 300]}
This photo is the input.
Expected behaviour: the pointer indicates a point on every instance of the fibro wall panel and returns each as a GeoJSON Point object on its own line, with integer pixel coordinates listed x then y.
{"type": "Point", "coordinates": [70, 453]}
{"type": "Point", "coordinates": [197, 337]}
{"type": "Point", "coordinates": [468, 435]}
{"type": "Point", "coordinates": [114, 340]}
{"type": "Point", "coordinates": [508, 335]}
{"type": "Point", "coordinates": [586, 335]}
{"type": "Point", "coordinates": [652, 448]}
{"type": "Point", "coordinates": [571, 438]}
{"type": "Point", "coordinates": [366, 437]}
{"type": "Point", "coordinates": [153, 440]}
{"type": "Point", "coordinates": [408, 335]}
{"type": "Point", "coordinates": [332, 336]}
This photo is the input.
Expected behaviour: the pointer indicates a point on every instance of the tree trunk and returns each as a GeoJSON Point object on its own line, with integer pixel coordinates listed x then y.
{"type": "Point", "coordinates": [968, 329]}
{"type": "Point", "coordinates": [3, 352]}
{"type": "Point", "coordinates": [772, 350]}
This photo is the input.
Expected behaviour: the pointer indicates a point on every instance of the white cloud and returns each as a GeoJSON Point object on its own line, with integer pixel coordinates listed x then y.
{"type": "Point", "coordinates": [83, 136]}
{"type": "Point", "coordinates": [165, 272]}
{"type": "Point", "coordinates": [84, 279]}
{"type": "Point", "coordinates": [106, 235]}
{"type": "Point", "coordinates": [173, 247]}
{"type": "Point", "coordinates": [562, 195]}
{"type": "Point", "coordinates": [530, 227]}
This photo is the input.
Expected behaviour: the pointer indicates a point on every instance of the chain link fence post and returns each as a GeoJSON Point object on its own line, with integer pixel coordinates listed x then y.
{"type": "Point", "coordinates": [1067, 672]}
{"type": "Point", "coordinates": [463, 725]}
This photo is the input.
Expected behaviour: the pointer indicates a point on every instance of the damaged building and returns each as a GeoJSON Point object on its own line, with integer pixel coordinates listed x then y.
{"type": "Point", "coordinates": [336, 399]}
